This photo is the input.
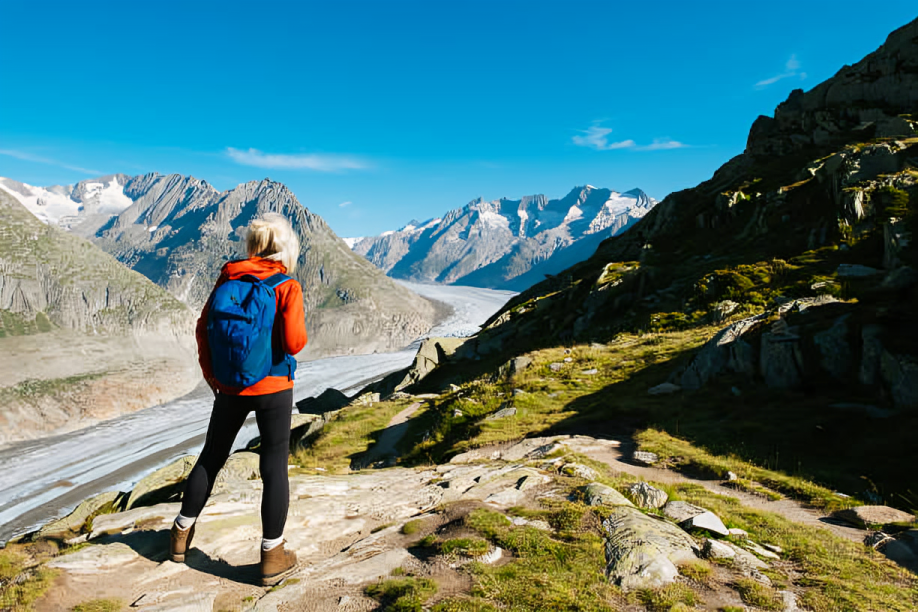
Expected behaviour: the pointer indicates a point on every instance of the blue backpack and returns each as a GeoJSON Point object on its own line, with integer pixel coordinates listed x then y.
{"type": "Point", "coordinates": [239, 326]}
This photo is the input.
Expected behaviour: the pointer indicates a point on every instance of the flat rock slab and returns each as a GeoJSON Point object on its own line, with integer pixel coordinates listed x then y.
{"type": "Point", "coordinates": [643, 552]}
{"type": "Point", "coordinates": [161, 484]}
{"type": "Point", "coordinates": [863, 516]}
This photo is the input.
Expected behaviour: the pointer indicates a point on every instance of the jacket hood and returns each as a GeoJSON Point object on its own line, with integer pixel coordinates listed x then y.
{"type": "Point", "coordinates": [252, 265]}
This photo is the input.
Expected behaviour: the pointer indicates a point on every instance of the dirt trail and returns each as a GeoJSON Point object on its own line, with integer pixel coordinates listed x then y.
{"type": "Point", "coordinates": [790, 509]}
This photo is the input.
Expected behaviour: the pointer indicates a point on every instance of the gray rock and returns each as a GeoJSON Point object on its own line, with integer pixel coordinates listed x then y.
{"type": "Point", "coordinates": [871, 350]}
{"type": "Point", "coordinates": [579, 470]}
{"type": "Point", "coordinates": [712, 549]}
{"type": "Point", "coordinates": [725, 351]}
{"type": "Point", "coordinates": [162, 485]}
{"type": "Point", "coordinates": [598, 494]}
{"type": "Point", "coordinates": [722, 310]}
{"type": "Point", "coordinates": [590, 372]}
{"type": "Point", "coordinates": [835, 351]}
{"type": "Point", "coordinates": [502, 414]}
{"type": "Point", "coordinates": [760, 550]}
{"type": "Point", "coordinates": [518, 364]}
{"type": "Point", "coordinates": [76, 519]}
{"type": "Point", "coordinates": [646, 496]}
{"type": "Point", "coordinates": [781, 360]}
{"type": "Point", "coordinates": [240, 467]}
{"type": "Point", "coordinates": [664, 389]}
{"type": "Point", "coordinates": [644, 457]}
{"type": "Point", "coordinates": [555, 367]}
{"type": "Point", "coordinates": [863, 516]}
{"type": "Point", "coordinates": [689, 516]}
{"type": "Point", "coordinates": [900, 374]}
{"type": "Point", "coordinates": [855, 271]}
{"type": "Point", "coordinates": [643, 552]}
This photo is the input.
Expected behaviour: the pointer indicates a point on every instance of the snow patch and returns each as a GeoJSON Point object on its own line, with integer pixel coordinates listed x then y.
{"type": "Point", "coordinates": [352, 242]}
{"type": "Point", "coordinates": [48, 206]}
{"type": "Point", "coordinates": [492, 219]}
{"type": "Point", "coordinates": [573, 214]}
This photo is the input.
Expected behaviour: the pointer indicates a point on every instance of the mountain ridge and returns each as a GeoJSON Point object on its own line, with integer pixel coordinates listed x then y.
{"type": "Point", "coordinates": [505, 243]}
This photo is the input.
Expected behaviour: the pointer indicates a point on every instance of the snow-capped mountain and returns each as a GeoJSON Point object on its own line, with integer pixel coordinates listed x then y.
{"type": "Point", "coordinates": [178, 230]}
{"type": "Point", "coordinates": [88, 203]}
{"type": "Point", "coordinates": [506, 244]}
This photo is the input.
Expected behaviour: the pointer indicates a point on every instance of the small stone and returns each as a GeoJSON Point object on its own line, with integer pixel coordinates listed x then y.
{"type": "Point", "coordinates": [457, 413]}
{"type": "Point", "coordinates": [713, 549]}
{"type": "Point", "coordinates": [646, 496]}
{"type": "Point", "coordinates": [454, 387]}
{"type": "Point", "coordinates": [740, 534]}
{"type": "Point", "coordinates": [774, 548]}
{"type": "Point", "coordinates": [645, 457]}
{"type": "Point", "coordinates": [519, 392]}
{"type": "Point", "coordinates": [876, 539]}
{"type": "Point", "coordinates": [690, 516]}
{"type": "Point", "coordinates": [567, 351]}
{"type": "Point", "coordinates": [732, 476]}
{"type": "Point", "coordinates": [493, 556]}
{"type": "Point", "coordinates": [555, 367]}
{"type": "Point", "coordinates": [749, 544]}
{"type": "Point", "coordinates": [502, 413]}
{"type": "Point", "coordinates": [568, 359]}
{"type": "Point", "coordinates": [591, 371]}
{"type": "Point", "coordinates": [579, 470]}
{"type": "Point", "coordinates": [664, 389]}
{"type": "Point", "coordinates": [790, 601]}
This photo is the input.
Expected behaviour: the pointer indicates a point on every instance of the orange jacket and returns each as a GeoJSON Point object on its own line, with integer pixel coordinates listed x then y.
{"type": "Point", "coordinates": [289, 324]}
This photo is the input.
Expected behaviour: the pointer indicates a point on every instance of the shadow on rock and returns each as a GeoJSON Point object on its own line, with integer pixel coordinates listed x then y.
{"type": "Point", "coordinates": [154, 545]}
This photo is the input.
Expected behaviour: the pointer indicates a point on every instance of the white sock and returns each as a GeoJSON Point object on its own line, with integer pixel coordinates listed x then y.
{"type": "Point", "coordinates": [184, 522]}
{"type": "Point", "coordinates": [267, 544]}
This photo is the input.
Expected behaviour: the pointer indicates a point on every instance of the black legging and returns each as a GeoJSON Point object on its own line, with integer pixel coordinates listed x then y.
{"type": "Point", "coordinates": [272, 413]}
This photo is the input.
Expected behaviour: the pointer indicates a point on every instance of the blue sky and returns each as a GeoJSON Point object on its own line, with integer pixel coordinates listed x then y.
{"type": "Point", "coordinates": [378, 112]}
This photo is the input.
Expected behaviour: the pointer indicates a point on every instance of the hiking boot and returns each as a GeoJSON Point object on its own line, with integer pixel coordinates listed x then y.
{"type": "Point", "coordinates": [180, 542]}
{"type": "Point", "coordinates": [276, 564]}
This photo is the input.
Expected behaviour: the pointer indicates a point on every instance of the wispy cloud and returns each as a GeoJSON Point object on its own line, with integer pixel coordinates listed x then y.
{"type": "Point", "coordinates": [345, 204]}
{"type": "Point", "coordinates": [791, 70]}
{"type": "Point", "coordinates": [596, 137]}
{"type": "Point", "coordinates": [306, 161]}
{"type": "Point", "coordinates": [38, 159]}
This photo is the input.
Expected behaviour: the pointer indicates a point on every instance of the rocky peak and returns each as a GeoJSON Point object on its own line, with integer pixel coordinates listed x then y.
{"type": "Point", "coordinates": [874, 98]}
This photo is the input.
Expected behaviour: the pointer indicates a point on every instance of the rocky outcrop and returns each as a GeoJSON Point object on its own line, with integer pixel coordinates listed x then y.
{"type": "Point", "coordinates": [866, 516]}
{"type": "Point", "coordinates": [642, 551]}
{"type": "Point", "coordinates": [506, 244]}
{"type": "Point", "coordinates": [867, 98]}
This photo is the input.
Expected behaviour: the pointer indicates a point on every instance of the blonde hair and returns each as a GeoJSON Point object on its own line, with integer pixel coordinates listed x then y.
{"type": "Point", "coordinates": [272, 237]}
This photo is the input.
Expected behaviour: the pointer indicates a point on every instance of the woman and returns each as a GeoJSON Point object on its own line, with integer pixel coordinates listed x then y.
{"type": "Point", "coordinates": [273, 248]}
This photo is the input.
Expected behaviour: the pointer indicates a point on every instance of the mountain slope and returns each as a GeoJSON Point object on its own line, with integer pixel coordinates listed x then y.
{"type": "Point", "coordinates": [179, 230]}
{"type": "Point", "coordinates": [795, 266]}
{"type": "Point", "coordinates": [72, 321]}
{"type": "Point", "coordinates": [508, 244]}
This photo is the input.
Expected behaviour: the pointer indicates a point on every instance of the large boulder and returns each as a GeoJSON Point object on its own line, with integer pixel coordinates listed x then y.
{"type": "Point", "coordinates": [165, 484]}
{"type": "Point", "coordinates": [77, 519]}
{"type": "Point", "coordinates": [239, 467]}
{"type": "Point", "coordinates": [864, 516]}
{"type": "Point", "coordinates": [327, 401]}
{"type": "Point", "coordinates": [642, 551]}
{"type": "Point", "coordinates": [598, 494]}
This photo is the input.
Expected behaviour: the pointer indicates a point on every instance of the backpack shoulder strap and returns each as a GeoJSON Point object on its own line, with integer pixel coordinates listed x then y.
{"type": "Point", "coordinates": [276, 280]}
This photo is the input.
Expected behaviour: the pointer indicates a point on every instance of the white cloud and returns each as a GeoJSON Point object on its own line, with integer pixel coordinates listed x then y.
{"type": "Point", "coordinates": [661, 144]}
{"type": "Point", "coordinates": [595, 137]}
{"type": "Point", "coordinates": [44, 160]}
{"type": "Point", "coordinates": [791, 69]}
{"type": "Point", "coordinates": [343, 204]}
{"type": "Point", "coordinates": [306, 161]}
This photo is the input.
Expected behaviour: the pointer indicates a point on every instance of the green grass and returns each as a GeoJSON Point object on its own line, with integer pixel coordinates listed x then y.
{"type": "Point", "coordinates": [546, 573]}
{"type": "Point", "coordinates": [699, 570]}
{"type": "Point", "coordinates": [100, 605]}
{"type": "Point", "coordinates": [34, 388]}
{"type": "Point", "coordinates": [759, 595]}
{"type": "Point", "coordinates": [472, 547]}
{"type": "Point", "coordinates": [22, 580]}
{"type": "Point", "coordinates": [352, 431]}
{"type": "Point", "coordinates": [402, 594]}
{"type": "Point", "coordinates": [667, 598]}
{"type": "Point", "coordinates": [412, 527]}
